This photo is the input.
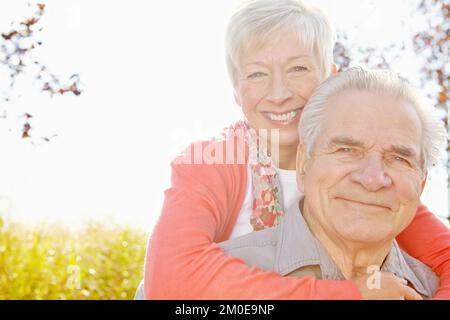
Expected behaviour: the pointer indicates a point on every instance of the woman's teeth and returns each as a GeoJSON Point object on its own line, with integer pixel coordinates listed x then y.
{"type": "Point", "coordinates": [285, 117]}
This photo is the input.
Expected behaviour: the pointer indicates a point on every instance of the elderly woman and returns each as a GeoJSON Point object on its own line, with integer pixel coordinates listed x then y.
{"type": "Point", "coordinates": [278, 52]}
{"type": "Point", "coordinates": [367, 140]}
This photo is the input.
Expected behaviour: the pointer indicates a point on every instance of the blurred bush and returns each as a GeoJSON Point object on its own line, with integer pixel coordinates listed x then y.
{"type": "Point", "coordinates": [99, 261]}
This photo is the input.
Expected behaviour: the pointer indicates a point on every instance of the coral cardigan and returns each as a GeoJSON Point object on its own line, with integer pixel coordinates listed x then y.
{"type": "Point", "coordinates": [183, 260]}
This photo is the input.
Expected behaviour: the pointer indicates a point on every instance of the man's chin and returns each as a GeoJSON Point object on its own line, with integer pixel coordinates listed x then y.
{"type": "Point", "coordinates": [367, 232]}
{"type": "Point", "coordinates": [368, 237]}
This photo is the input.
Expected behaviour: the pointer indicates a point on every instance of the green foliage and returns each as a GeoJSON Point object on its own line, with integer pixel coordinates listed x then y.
{"type": "Point", "coordinates": [99, 261]}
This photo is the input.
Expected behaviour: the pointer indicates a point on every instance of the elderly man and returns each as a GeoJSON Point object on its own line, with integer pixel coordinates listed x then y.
{"type": "Point", "coordinates": [367, 140]}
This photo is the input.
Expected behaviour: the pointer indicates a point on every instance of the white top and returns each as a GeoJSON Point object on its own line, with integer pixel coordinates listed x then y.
{"type": "Point", "coordinates": [290, 194]}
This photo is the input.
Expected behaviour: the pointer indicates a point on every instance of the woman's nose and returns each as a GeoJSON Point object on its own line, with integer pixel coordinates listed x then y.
{"type": "Point", "coordinates": [278, 91]}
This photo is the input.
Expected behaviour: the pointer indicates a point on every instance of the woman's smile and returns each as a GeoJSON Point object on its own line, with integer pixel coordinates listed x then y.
{"type": "Point", "coordinates": [284, 119]}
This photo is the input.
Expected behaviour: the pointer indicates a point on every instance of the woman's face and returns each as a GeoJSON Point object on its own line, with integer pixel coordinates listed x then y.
{"type": "Point", "coordinates": [274, 83]}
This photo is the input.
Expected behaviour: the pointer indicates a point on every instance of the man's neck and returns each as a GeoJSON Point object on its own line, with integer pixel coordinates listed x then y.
{"type": "Point", "coordinates": [353, 259]}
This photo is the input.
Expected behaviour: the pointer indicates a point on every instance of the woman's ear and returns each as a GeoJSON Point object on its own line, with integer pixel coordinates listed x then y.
{"type": "Point", "coordinates": [333, 69]}
{"type": "Point", "coordinates": [300, 167]}
{"type": "Point", "coordinates": [237, 98]}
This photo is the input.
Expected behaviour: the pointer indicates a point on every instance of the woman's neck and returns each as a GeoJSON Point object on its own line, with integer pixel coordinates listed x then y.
{"type": "Point", "coordinates": [286, 158]}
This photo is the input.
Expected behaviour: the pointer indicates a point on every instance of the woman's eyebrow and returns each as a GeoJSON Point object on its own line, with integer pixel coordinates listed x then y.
{"type": "Point", "coordinates": [262, 63]}
{"type": "Point", "coordinates": [299, 57]}
{"type": "Point", "coordinates": [258, 63]}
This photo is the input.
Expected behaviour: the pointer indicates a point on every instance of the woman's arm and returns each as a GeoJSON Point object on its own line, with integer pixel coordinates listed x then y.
{"type": "Point", "coordinates": [184, 262]}
{"type": "Point", "coordinates": [428, 239]}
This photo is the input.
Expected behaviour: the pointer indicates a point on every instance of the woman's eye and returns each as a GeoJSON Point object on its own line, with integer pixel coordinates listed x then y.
{"type": "Point", "coordinates": [298, 69]}
{"type": "Point", "coordinates": [255, 75]}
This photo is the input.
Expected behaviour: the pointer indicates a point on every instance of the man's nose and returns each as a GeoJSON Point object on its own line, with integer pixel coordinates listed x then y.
{"type": "Point", "coordinates": [278, 91]}
{"type": "Point", "coordinates": [371, 174]}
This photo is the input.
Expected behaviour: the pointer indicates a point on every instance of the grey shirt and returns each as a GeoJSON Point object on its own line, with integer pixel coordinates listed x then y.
{"type": "Point", "coordinates": [292, 250]}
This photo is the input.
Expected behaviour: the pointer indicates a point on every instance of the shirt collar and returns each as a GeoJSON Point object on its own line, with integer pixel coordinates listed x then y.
{"type": "Point", "coordinates": [297, 247]}
{"type": "Point", "coordinates": [396, 264]}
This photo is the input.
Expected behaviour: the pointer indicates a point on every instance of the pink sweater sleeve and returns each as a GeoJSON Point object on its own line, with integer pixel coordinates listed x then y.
{"type": "Point", "coordinates": [184, 262]}
{"type": "Point", "coordinates": [428, 239]}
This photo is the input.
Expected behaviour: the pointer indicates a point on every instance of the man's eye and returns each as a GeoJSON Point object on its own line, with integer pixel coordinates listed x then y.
{"type": "Point", "coordinates": [401, 160]}
{"type": "Point", "coordinates": [256, 75]}
{"type": "Point", "coordinates": [298, 69]}
{"type": "Point", "coordinates": [350, 152]}
{"type": "Point", "coordinates": [346, 150]}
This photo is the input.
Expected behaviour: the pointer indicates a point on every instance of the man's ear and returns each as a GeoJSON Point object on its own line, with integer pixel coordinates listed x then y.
{"type": "Point", "coordinates": [333, 69]}
{"type": "Point", "coordinates": [423, 182]}
{"type": "Point", "coordinates": [300, 167]}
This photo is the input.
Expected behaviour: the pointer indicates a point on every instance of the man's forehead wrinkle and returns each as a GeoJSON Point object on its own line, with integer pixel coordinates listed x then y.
{"type": "Point", "coordinates": [345, 140]}
{"type": "Point", "coordinates": [402, 149]}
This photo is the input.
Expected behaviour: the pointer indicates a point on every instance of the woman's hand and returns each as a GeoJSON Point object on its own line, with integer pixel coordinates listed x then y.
{"type": "Point", "coordinates": [390, 287]}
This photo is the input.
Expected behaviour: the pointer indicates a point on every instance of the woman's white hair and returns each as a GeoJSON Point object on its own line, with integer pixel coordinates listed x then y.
{"type": "Point", "coordinates": [258, 21]}
{"type": "Point", "coordinates": [434, 135]}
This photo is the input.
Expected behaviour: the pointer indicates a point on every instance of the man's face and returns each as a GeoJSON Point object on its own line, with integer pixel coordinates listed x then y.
{"type": "Point", "coordinates": [364, 178]}
{"type": "Point", "coordinates": [275, 82]}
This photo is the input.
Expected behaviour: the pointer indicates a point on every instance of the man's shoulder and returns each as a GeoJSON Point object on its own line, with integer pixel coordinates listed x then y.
{"type": "Point", "coordinates": [257, 248]}
{"type": "Point", "coordinates": [421, 273]}
{"type": "Point", "coordinates": [263, 238]}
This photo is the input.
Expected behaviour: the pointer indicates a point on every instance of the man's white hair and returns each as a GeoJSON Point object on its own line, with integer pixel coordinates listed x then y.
{"type": "Point", "coordinates": [258, 21]}
{"type": "Point", "coordinates": [434, 135]}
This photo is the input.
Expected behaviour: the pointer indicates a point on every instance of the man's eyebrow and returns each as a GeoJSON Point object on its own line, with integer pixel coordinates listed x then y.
{"type": "Point", "coordinates": [394, 148]}
{"type": "Point", "coordinates": [343, 140]}
{"type": "Point", "coordinates": [402, 150]}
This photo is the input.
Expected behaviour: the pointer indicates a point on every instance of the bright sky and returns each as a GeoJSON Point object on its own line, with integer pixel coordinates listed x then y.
{"type": "Point", "coordinates": [155, 79]}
